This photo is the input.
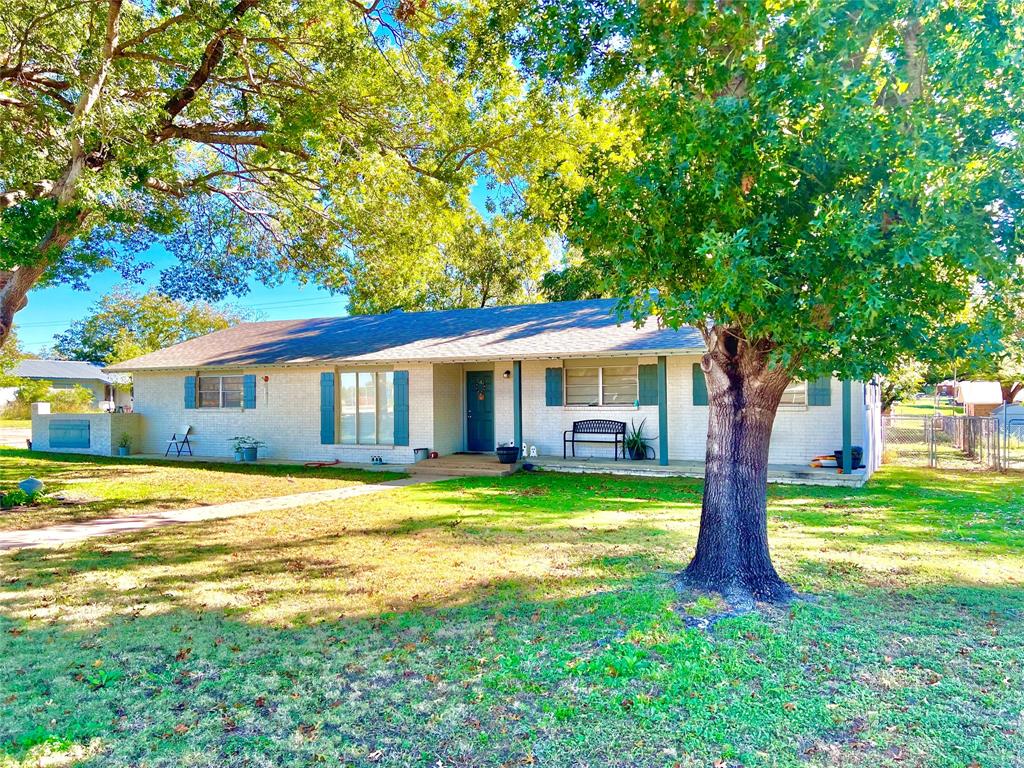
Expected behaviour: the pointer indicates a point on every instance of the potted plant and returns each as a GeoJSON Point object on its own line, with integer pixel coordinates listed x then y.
{"type": "Point", "coordinates": [124, 445]}
{"type": "Point", "coordinates": [636, 443]}
{"type": "Point", "coordinates": [248, 446]}
{"type": "Point", "coordinates": [238, 445]}
{"type": "Point", "coordinates": [508, 454]}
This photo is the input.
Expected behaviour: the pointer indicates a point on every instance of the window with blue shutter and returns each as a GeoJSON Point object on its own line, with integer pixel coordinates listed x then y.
{"type": "Point", "coordinates": [327, 407]}
{"type": "Point", "coordinates": [401, 407]}
{"type": "Point", "coordinates": [820, 392]}
{"type": "Point", "coordinates": [553, 386]}
{"type": "Point", "coordinates": [190, 391]}
{"type": "Point", "coordinates": [249, 392]}
{"type": "Point", "coordinates": [700, 386]}
{"type": "Point", "coordinates": [648, 379]}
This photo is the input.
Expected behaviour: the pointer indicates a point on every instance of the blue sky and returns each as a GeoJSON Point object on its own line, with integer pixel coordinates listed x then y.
{"type": "Point", "coordinates": [52, 310]}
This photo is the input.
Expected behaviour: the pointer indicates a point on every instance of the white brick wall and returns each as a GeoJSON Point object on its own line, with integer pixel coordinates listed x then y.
{"type": "Point", "coordinates": [544, 425]}
{"type": "Point", "coordinates": [105, 430]}
{"type": "Point", "coordinates": [286, 417]}
{"type": "Point", "coordinates": [799, 434]}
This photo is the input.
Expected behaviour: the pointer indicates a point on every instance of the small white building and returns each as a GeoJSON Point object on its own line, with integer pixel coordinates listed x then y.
{"type": "Point", "coordinates": [980, 398]}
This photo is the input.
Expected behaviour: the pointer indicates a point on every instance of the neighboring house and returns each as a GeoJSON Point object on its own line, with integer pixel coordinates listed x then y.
{"type": "Point", "coordinates": [980, 398]}
{"type": "Point", "coordinates": [66, 374]}
{"type": "Point", "coordinates": [352, 388]}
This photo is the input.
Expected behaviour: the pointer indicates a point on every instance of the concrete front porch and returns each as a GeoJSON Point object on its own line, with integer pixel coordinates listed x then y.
{"type": "Point", "coordinates": [793, 474]}
{"type": "Point", "coordinates": [487, 464]}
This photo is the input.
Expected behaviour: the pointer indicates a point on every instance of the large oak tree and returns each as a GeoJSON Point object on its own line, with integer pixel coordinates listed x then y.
{"type": "Point", "coordinates": [253, 139]}
{"type": "Point", "coordinates": [820, 187]}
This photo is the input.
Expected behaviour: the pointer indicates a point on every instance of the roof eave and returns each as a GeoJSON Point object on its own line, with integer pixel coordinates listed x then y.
{"type": "Point", "coordinates": [399, 360]}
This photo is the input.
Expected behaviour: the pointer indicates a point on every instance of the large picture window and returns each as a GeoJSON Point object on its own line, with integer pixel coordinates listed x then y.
{"type": "Point", "coordinates": [367, 408]}
{"type": "Point", "coordinates": [601, 385]}
{"type": "Point", "coordinates": [220, 391]}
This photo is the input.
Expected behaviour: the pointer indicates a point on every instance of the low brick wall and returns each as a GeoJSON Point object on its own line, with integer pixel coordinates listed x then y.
{"type": "Point", "coordinates": [93, 433]}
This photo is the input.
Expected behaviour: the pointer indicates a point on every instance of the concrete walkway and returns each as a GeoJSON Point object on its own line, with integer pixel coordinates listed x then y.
{"type": "Point", "coordinates": [70, 533]}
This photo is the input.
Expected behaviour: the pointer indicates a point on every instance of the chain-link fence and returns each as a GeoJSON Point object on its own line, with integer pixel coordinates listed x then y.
{"type": "Point", "coordinates": [953, 442]}
{"type": "Point", "coordinates": [1012, 432]}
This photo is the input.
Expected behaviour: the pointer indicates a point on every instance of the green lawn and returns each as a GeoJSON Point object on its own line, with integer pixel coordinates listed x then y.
{"type": "Point", "coordinates": [925, 408]}
{"type": "Point", "coordinates": [529, 620]}
{"type": "Point", "coordinates": [87, 487]}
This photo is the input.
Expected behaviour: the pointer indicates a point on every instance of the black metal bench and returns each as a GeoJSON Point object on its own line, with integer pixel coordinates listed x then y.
{"type": "Point", "coordinates": [614, 429]}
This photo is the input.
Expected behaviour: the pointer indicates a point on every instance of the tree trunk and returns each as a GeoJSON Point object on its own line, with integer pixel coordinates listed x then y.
{"type": "Point", "coordinates": [1010, 390]}
{"type": "Point", "coordinates": [732, 547]}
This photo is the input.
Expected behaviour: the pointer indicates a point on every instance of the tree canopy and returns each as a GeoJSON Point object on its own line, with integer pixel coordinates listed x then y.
{"type": "Point", "coordinates": [834, 181]}
{"type": "Point", "coordinates": [254, 140]}
{"type": "Point", "coordinates": [476, 263]}
{"type": "Point", "coordinates": [125, 324]}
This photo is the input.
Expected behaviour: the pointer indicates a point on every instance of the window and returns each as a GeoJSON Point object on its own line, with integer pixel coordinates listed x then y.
{"type": "Point", "coordinates": [367, 408]}
{"type": "Point", "coordinates": [601, 385]}
{"type": "Point", "coordinates": [619, 385]}
{"type": "Point", "coordinates": [795, 394]}
{"type": "Point", "coordinates": [582, 386]}
{"type": "Point", "coordinates": [220, 391]}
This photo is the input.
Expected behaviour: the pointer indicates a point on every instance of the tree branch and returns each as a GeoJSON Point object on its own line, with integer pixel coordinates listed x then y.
{"type": "Point", "coordinates": [211, 58]}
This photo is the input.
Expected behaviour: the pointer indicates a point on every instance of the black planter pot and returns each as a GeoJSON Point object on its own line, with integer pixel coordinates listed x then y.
{"type": "Point", "coordinates": [508, 454]}
{"type": "Point", "coordinates": [856, 457]}
{"type": "Point", "coordinates": [637, 454]}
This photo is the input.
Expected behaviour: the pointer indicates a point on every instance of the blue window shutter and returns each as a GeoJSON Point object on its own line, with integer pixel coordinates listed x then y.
{"type": "Point", "coordinates": [401, 407]}
{"type": "Point", "coordinates": [190, 391]}
{"type": "Point", "coordinates": [553, 386]}
{"type": "Point", "coordinates": [700, 386]}
{"type": "Point", "coordinates": [820, 392]}
{"type": "Point", "coordinates": [648, 384]}
{"type": "Point", "coordinates": [249, 391]}
{"type": "Point", "coordinates": [327, 407]}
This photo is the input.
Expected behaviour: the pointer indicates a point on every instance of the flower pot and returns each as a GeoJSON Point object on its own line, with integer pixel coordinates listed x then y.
{"type": "Point", "coordinates": [249, 453]}
{"type": "Point", "coordinates": [856, 457]}
{"type": "Point", "coordinates": [508, 454]}
{"type": "Point", "coordinates": [637, 453]}
{"type": "Point", "coordinates": [122, 450]}
{"type": "Point", "coordinates": [238, 455]}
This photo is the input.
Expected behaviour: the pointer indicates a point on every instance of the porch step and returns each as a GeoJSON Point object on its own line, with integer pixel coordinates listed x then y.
{"type": "Point", "coordinates": [463, 466]}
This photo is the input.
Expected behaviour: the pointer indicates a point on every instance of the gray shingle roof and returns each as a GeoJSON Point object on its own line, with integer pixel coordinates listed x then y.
{"type": "Point", "coordinates": [59, 369]}
{"type": "Point", "coordinates": [563, 329]}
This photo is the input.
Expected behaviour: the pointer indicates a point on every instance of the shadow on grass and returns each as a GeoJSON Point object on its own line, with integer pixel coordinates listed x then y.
{"type": "Point", "coordinates": [609, 676]}
{"type": "Point", "coordinates": [64, 466]}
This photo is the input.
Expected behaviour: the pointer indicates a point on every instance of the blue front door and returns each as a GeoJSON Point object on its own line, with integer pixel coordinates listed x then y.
{"type": "Point", "coordinates": [479, 410]}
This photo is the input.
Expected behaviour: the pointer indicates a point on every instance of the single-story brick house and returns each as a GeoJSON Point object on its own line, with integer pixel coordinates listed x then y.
{"type": "Point", "coordinates": [352, 388]}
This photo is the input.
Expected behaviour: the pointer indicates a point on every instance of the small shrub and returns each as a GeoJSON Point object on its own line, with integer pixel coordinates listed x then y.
{"type": "Point", "coordinates": [16, 498]}
{"type": "Point", "coordinates": [78, 399]}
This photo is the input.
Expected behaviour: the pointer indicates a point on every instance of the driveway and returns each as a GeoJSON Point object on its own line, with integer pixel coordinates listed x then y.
{"type": "Point", "coordinates": [14, 437]}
